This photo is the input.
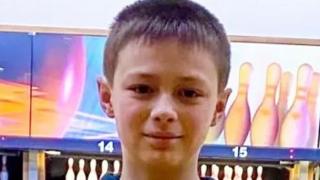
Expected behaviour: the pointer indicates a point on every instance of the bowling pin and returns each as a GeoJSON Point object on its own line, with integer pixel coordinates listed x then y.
{"type": "Point", "coordinates": [229, 173]}
{"type": "Point", "coordinates": [203, 170]}
{"type": "Point", "coordinates": [296, 124]}
{"type": "Point", "coordinates": [237, 124]}
{"type": "Point", "coordinates": [215, 172]}
{"type": "Point", "coordinates": [249, 173]}
{"type": "Point", "coordinates": [116, 165]}
{"type": "Point", "coordinates": [93, 173]}
{"type": "Point", "coordinates": [237, 175]}
{"type": "Point", "coordinates": [312, 106]}
{"type": "Point", "coordinates": [264, 127]}
{"type": "Point", "coordinates": [70, 173]}
{"type": "Point", "coordinates": [104, 168]}
{"type": "Point", "coordinates": [4, 172]}
{"type": "Point", "coordinates": [81, 175]}
{"type": "Point", "coordinates": [259, 173]}
{"type": "Point", "coordinates": [240, 173]}
{"type": "Point", "coordinates": [225, 173]}
{"type": "Point", "coordinates": [285, 85]}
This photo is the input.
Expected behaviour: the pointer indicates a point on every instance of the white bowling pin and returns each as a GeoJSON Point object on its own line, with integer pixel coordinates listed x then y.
{"type": "Point", "coordinates": [237, 124]}
{"type": "Point", "coordinates": [225, 172]}
{"type": "Point", "coordinates": [249, 173]}
{"type": "Point", "coordinates": [285, 86]}
{"type": "Point", "coordinates": [312, 106]}
{"type": "Point", "coordinates": [215, 172]}
{"type": "Point", "coordinates": [296, 124]}
{"type": "Point", "coordinates": [4, 172]}
{"type": "Point", "coordinates": [229, 173]}
{"type": "Point", "coordinates": [203, 170]}
{"type": "Point", "coordinates": [104, 168]}
{"type": "Point", "coordinates": [81, 175]}
{"type": "Point", "coordinates": [116, 166]}
{"type": "Point", "coordinates": [93, 173]}
{"type": "Point", "coordinates": [259, 173]}
{"type": "Point", "coordinates": [264, 126]}
{"type": "Point", "coordinates": [238, 174]}
{"type": "Point", "coordinates": [70, 173]}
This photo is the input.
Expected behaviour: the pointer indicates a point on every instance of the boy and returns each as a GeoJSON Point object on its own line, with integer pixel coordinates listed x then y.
{"type": "Point", "coordinates": [166, 63]}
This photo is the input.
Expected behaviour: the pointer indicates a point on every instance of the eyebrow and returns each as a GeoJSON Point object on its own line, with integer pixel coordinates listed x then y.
{"type": "Point", "coordinates": [187, 78]}
{"type": "Point", "coordinates": [136, 75]}
{"type": "Point", "coordinates": [190, 79]}
{"type": "Point", "coordinates": [194, 79]}
{"type": "Point", "coordinates": [141, 75]}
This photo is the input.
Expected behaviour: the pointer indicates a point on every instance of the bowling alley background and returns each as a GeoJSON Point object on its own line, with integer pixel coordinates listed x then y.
{"type": "Point", "coordinates": [289, 58]}
{"type": "Point", "coordinates": [48, 86]}
{"type": "Point", "coordinates": [48, 89]}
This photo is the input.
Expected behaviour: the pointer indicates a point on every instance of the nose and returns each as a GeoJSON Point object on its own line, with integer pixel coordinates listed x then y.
{"type": "Point", "coordinates": [164, 110]}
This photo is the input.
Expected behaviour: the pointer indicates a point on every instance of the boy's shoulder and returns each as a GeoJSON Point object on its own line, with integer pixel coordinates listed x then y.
{"type": "Point", "coordinates": [110, 177]}
{"type": "Point", "coordinates": [117, 177]}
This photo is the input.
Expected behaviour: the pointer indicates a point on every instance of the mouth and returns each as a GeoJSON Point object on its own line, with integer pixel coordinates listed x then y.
{"type": "Point", "coordinates": [162, 135]}
{"type": "Point", "coordinates": [162, 141]}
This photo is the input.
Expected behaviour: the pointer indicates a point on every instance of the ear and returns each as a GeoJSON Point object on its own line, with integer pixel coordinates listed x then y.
{"type": "Point", "coordinates": [219, 113]}
{"type": "Point", "coordinates": [105, 96]}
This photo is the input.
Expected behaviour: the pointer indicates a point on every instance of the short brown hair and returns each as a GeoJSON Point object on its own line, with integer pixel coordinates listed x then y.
{"type": "Point", "coordinates": [156, 20]}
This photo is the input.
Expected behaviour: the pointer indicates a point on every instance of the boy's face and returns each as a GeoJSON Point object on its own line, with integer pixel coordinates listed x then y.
{"type": "Point", "coordinates": [164, 99]}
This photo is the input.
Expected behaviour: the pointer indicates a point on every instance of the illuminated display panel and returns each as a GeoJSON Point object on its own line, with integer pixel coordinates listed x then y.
{"type": "Point", "coordinates": [65, 69]}
{"type": "Point", "coordinates": [65, 100]}
{"type": "Point", "coordinates": [15, 75]}
{"type": "Point", "coordinates": [300, 131]}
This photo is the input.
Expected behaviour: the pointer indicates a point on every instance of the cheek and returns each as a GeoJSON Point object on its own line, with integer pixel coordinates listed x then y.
{"type": "Point", "coordinates": [200, 118]}
{"type": "Point", "coordinates": [129, 116]}
{"type": "Point", "coordinates": [199, 122]}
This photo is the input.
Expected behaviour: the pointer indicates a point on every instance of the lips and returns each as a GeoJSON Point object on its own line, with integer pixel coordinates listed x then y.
{"type": "Point", "coordinates": [162, 135]}
{"type": "Point", "coordinates": [162, 141]}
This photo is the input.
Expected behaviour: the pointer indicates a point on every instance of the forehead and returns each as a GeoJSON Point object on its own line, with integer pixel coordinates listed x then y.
{"type": "Point", "coordinates": [166, 56]}
{"type": "Point", "coordinates": [175, 51]}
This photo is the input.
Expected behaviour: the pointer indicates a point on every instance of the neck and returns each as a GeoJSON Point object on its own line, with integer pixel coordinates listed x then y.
{"type": "Point", "coordinates": [135, 170]}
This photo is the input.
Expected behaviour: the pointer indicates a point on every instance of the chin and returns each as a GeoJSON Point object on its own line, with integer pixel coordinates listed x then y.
{"type": "Point", "coordinates": [168, 159]}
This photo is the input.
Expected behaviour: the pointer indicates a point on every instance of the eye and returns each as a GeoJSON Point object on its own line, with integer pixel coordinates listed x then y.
{"type": "Point", "coordinates": [189, 93]}
{"type": "Point", "coordinates": [141, 89]}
